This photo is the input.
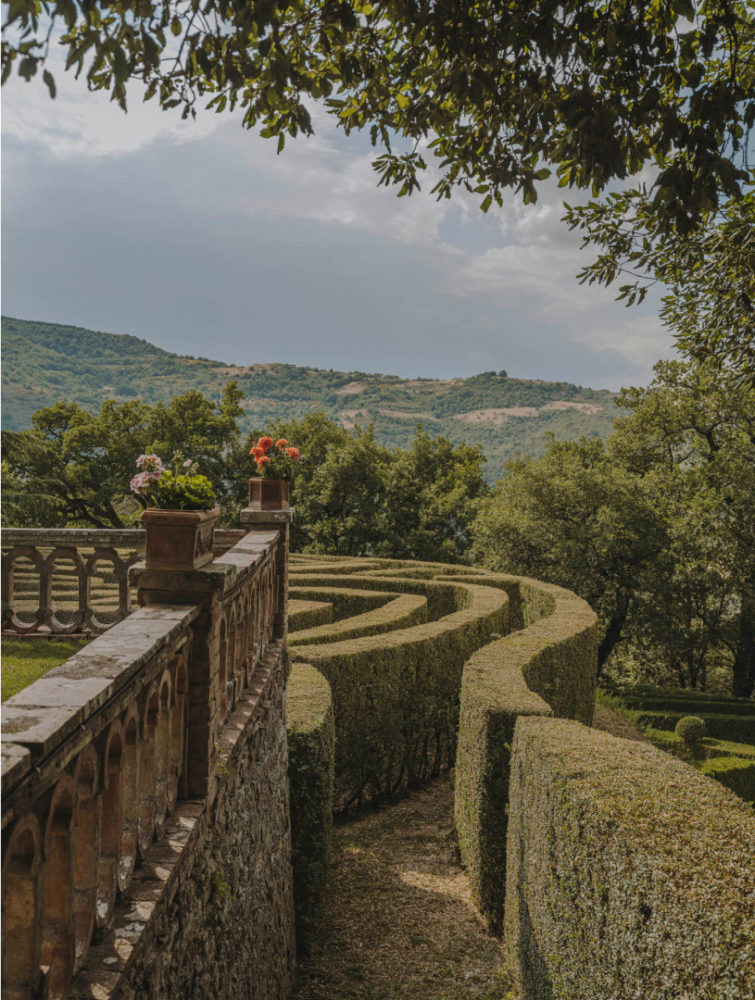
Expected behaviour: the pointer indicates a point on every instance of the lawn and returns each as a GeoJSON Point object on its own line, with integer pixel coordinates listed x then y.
{"type": "Point", "coordinates": [24, 660]}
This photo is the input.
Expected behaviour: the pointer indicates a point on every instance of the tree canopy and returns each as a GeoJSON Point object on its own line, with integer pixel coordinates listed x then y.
{"type": "Point", "coordinates": [655, 528]}
{"type": "Point", "coordinates": [502, 93]}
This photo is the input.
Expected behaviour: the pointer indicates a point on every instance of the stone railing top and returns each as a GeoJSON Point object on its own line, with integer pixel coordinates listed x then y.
{"type": "Point", "coordinates": [41, 717]}
{"type": "Point", "coordinates": [221, 574]}
{"type": "Point", "coordinates": [277, 516]}
{"type": "Point", "coordinates": [116, 537]}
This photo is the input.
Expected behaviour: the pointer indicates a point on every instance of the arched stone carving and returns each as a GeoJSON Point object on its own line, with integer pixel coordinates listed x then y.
{"type": "Point", "coordinates": [22, 906]}
{"type": "Point", "coordinates": [62, 554]}
{"type": "Point", "coordinates": [129, 798]}
{"type": "Point", "coordinates": [57, 954]}
{"type": "Point", "coordinates": [111, 826]}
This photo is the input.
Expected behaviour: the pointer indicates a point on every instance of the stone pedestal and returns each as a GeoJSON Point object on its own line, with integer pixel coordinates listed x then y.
{"type": "Point", "coordinates": [272, 520]}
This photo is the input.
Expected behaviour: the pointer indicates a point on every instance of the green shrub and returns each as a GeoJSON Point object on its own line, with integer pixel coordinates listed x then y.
{"type": "Point", "coordinates": [690, 728]}
{"type": "Point", "coordinates": [736, 773]}
{"type": "Point", "coordinates": [629, 873]}
{"type": "Point", "coordinates": [737, 728]}
{"type": "Point", "coordinates": [311, 758]}
{"type": "Point", "coordinates": [548, 668]}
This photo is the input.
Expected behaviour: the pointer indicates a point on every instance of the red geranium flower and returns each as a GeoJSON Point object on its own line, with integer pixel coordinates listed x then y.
{"type": "Point", "coordinates": [257, 452]}
{"type": "Point", "coordinates": [265, 443]}
{"type": "Point", "coordinates": [261, 460]}
{"type": "Point", "coordinates": [281, 443]}
{"type": "Point", "coordinates": [293, 453]}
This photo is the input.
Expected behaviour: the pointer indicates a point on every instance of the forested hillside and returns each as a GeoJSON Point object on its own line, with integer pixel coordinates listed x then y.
{"type": "Point", "coordinates": [47, 362]}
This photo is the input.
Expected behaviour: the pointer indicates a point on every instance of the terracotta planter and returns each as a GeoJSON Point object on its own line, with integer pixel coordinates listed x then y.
{"type": "Point", "coordinates": [179, 539]}
{"type": "Point", "coordinates": [268, 494]}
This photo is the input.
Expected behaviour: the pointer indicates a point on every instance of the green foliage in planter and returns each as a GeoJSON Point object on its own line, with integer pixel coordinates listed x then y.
{"type": "Point", "coordinates": [548, 668]}
{"type": "Point", "coordinates": [690, 728]}
{"type": "Point", "coordinates": [628, 874]}
{"type": "Point", "coordinates": [736, 773]}
{"type": "Point", "coordinates": [395, 695]}
{"type": "Point", "coordinates": [185, 492]}
{"type": "Point", "coordinates": [311, 757]}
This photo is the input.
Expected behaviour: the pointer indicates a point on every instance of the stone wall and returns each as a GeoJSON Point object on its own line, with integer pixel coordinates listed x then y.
{"type": "Point", "coordinates": [216, 902]}
{"type": "Point", "coordinates": [146, 818]}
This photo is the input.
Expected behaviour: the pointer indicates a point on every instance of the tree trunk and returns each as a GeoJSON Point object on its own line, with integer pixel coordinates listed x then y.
{"type": "Point", "coordinates": [613, 632]}
{"type": "Point", "coordinates": [744, 660]}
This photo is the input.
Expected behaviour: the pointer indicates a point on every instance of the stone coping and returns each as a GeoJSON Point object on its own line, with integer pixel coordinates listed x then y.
{"type": "Point", "coordinates": [281, 515]}
{"type": "Point", "coordinates": [119, 538]}
{"type": "Point", "coordinates": [37, 720]}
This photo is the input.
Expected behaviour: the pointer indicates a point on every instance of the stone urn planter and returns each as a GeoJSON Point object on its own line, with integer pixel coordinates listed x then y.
{"type": "Point", "coordinates": [268, 494]}
{"type": "Point", "coordinates": [179, 539]}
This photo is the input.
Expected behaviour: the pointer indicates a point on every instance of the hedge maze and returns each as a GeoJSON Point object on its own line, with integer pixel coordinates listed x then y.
{"type": "Point", "coordinates": [612, 869]}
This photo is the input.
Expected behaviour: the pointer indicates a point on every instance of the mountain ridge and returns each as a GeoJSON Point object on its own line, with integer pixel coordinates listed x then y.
{"type": "Point", "coordinates": [46, 362]}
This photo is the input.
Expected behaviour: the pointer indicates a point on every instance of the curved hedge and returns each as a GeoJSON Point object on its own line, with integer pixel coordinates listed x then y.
{"type": "Point", "coordinates": [395, 695]}
{"type": "Point", "coordinates": [400, 612]}
{"type": "Point", "coordinates": [303, 614]}
{"type": "Point", "coordinates": [629, 873]}
{"type": "Point", "coordinates": [311, 759]}
{"type": "Point", "coordinates": [548, 668]}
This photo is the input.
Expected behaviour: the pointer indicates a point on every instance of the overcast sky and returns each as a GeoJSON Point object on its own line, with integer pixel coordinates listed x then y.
{"type": "Point", "coordinates": [199, 238]}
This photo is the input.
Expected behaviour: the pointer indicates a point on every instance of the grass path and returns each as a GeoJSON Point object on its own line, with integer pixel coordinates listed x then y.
{"type": "Point", "coordinates": [400, 924]}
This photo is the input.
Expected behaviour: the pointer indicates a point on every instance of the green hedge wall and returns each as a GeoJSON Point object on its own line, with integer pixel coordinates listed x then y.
{"type": "Point", "coordinates": [304, 614]}
{"type": "Point", "coordinates": [738, 728]}
{"type": "Point", "coordinates": [396, 695]}
{"type": "Point", "coordinates": [311, 761]}
{"type": "Point", "coordinates": [401, 612]}
{"type": "Point", "coordinates": [548, 668]}
{"type": "Point", "coordinates": [629, 873]}
{"type": "Point", "coordinates": [736, 773]}
{"type": "Point", "coordinates": [443, 597]}
{"type": "Point", "coordinates": [345, 602]}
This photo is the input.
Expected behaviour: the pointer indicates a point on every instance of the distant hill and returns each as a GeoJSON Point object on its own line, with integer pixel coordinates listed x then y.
{"type": "Point", "coordinates": [47, 362]}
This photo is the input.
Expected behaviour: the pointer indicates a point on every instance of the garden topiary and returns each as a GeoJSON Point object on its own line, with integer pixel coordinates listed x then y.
{"type": "Point", "coordinates": [690, 728]}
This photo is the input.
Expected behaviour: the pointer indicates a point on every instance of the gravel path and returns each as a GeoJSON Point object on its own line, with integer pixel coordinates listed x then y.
{"type": "Point", "coordinates": [400, 923]}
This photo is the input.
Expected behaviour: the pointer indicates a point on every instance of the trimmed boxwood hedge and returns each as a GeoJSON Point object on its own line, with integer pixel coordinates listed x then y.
{"type": "Point", "coordinates": [304, 614]}
{"type": "Point", "coordinates": [738, 728]}
{"type": "Point", "coordinates": [395, 695]}
{"type": "Point", "coordinates": [737, 773]}
{"type": "Point", "coordinates": [629, 873]}
{"type": "Point", "coordinates": [344, 601]}
{"type": "Point", "coordinates": [548, 668]}
{"type": "Point", "coordinates": [311, 760]}
{"type": "Point", "coordinates": [401, 612]}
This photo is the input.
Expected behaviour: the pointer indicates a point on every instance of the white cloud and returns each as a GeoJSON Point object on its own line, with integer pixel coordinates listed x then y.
{"type": "Point", "coordinates": [510, 275]}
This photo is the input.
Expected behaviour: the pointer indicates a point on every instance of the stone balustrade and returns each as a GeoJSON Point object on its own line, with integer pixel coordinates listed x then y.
{"type": "Point", "coordinates": [72, 581]}
{"type": "Point", "coordinates": [98, 752]}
